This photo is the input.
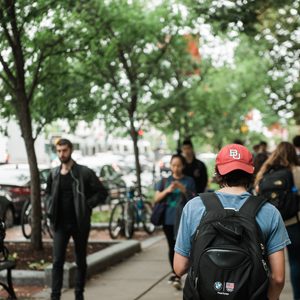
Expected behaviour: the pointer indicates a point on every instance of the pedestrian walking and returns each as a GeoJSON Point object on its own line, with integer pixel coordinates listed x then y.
{"type": "Point", "coordinates": [194, 167]}
{"type": "Point", "coordinates": [261, 156]}
{"type": "Point", "coordinates": [217, 242]}
{"type": "Point", "coordinates": [296, 143]}
{"type": "Point", "coordinates": [281, 167]}
{"type": "Point", "coordinates": [72, 192]}
{"type": "Point", "coordinates": [175, 190]}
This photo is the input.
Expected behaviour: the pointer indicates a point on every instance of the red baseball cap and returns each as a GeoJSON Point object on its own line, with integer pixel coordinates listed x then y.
{"type": "Point", "coordinates": [234, 157]}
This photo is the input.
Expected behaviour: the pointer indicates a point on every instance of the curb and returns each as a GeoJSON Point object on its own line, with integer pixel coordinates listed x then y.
{"type": "Point", "coordinates": [103, 225]}
{"type": "Point", "coordinates": [96, 262]}
{"type": "Point", "coordinates": [151, 241]}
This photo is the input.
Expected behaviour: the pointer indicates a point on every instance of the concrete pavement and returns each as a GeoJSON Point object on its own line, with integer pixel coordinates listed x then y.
{"type": "Point", "coordinates": [143, 276]}
{"type": "Point", "coordinates": [287, 293]}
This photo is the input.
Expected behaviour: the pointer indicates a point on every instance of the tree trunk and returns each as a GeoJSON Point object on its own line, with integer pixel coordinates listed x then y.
{"type": "Point", "coordinates": [134, 136]}
{"type": "Point", "coordinates": [24, 117]}
{"type": "Point", "coordinates": [179, 139]}
{"type": "Point", "coordinates": [12, 33]}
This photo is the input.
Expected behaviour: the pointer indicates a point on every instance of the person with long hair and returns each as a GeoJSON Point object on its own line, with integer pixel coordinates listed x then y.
{"type": "Point", "coordinates": [284, 156]}
{"type": "Point", "coordinates": [175, 190]}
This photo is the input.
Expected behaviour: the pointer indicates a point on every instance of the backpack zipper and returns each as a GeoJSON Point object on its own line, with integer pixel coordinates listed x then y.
{"type": "Point", "coordinates": [265, 267]}
{"type": "Point", "coordinates": [196, 282]}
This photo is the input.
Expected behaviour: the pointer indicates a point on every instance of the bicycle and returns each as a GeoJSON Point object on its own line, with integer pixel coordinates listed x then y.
{"type": "Point", "coordinates": [129, 212]}
{"type": "Point", "coordinates": [26, 216]}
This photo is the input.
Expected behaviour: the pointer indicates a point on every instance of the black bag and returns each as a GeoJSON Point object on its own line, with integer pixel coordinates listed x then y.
{"type": "Point", "coordinates": [277, 186]}
{"type": "Point", "coordinates": [228, 259]}
{"type": "Point", "coordinates": [158, 213]}
{"type": "Point", "coordinates": [159, 209]}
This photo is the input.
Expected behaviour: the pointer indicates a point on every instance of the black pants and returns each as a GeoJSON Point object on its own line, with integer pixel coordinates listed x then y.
{"type": "Point", "coordinates": [60, 242]}
{"type": "Point", "coordinates": [169, 233]}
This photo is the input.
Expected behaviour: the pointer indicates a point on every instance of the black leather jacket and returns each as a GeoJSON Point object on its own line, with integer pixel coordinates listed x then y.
{"type": "Point", "coordinates": [88, 192]}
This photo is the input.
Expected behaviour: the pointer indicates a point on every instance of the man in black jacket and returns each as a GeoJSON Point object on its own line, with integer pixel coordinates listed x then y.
{"type": "Point", "coordinates": [72, 193]}
{"type": "Point", "coordinates": [194, 167]}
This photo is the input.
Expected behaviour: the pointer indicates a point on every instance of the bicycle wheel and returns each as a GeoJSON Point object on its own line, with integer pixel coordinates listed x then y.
{"type": "Point", "coordinates": [26, 220]}
{"type": "Point", "coordinates": [116, 220]}
{"type": "Point", "coordinates": [129, 212]}
{"type": "Point", "coordinates": [146, 218]}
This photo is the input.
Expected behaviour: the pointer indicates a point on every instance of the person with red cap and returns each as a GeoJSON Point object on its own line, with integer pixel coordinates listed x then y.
{"type": "Point", "coordinates": [234, 169]}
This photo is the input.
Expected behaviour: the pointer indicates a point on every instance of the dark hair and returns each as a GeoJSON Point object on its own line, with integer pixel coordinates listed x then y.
{"type": "Point", "coordinates": [238, 141]}
{"type": "Point", "coordinates": [256, 147]}
{"type": "Point", "coordinates": [263, 143]}
{"type": "Point", "coordinates": [187, 142]}
{"type": "Point", "coordinates": [283, 156]}
{"type": "Point", "coordinates": [296, 141]}
{"type": "Point", "coordinates": [234, 178]}
{"type": "Point", "coordinates": [179, 156]}
{"type": "Point", "coordinates": [63, 142]}
{"type": "Point", "coordinates": [259, 160]}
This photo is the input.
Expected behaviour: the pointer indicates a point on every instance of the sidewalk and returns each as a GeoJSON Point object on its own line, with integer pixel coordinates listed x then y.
{"type": "Point", "coordinates": [143, 276]}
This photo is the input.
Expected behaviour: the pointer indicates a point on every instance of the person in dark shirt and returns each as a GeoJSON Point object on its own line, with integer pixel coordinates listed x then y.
{"type": "Point", "coordinates": [194, 167]}
{"type": "Point", "coordinates": [261, 156]}
{"type": "Point", "coordinates": [175, 190]}
{"type": "Point", "coordinates": [71, 194]}
{"type": "Point", "coordinates": [296, 143]}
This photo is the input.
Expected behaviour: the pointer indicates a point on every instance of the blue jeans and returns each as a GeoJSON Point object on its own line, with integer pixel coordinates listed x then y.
{"type": "Point", "coordinates": [294, 258]}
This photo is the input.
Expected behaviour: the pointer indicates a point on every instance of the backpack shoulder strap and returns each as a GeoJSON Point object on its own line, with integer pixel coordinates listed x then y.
{"type": "Point", "coordinates": [211, 202]}
{"type": "Point", "coordinates": [252, 205]}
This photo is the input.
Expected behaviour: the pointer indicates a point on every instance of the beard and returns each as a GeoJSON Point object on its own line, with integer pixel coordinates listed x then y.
{"type": "Point", "coordinates": [65, 160]}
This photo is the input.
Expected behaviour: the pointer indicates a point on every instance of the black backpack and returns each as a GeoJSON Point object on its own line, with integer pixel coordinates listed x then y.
{"type": "Point", "coordinates": [228, 259]}
{"type": "Point", "coordinates": [277, 186]}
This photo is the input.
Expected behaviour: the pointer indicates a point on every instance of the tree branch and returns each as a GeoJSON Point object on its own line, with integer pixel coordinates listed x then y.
{"type": "Point", "coordinates": [52, 74]}
{"type": "Point", "coordinates": [119, 118]}
{"type": "Point", "coordinates": [6, 81]}
{"type": "Point", "coordinates": [156, 60]}
{"type": "Point", "coordinates": [7, 70]}
{"type": "Point", "coordinates": [39, 130]}
{"type": "Point", "coordinates": [77, 50]}
{"type": "Point", "coordinates": [111, 79]}
{"type": "Point", "coordinates": [8, 37]}
{"type": "Point", "coordinates": [17, 47]}
{"type": "Point", "coordinates": [121, 55]}
{"type": "Point", "coordinates": [36, 76]}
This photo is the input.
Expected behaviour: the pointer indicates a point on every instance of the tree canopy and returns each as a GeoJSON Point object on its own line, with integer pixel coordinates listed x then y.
{"type": "Point", "coordinates": [37, 85]}
{"type": "Point", "coordinates": [130, 63]}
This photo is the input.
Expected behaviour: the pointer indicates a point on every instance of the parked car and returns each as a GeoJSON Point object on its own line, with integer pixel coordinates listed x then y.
{"type": "Point", "coordinates": [109, 174]}
{"type": "Point", "coordinates": [15, 189]}
{"type": "Point", "coordinates": [145, 164]}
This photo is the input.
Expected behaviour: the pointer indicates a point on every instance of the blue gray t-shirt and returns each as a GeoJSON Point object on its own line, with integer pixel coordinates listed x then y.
{"type": "Point", "coordinates": [268, 219]}
{"type": "Point", "coordinates": [174, 198]}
